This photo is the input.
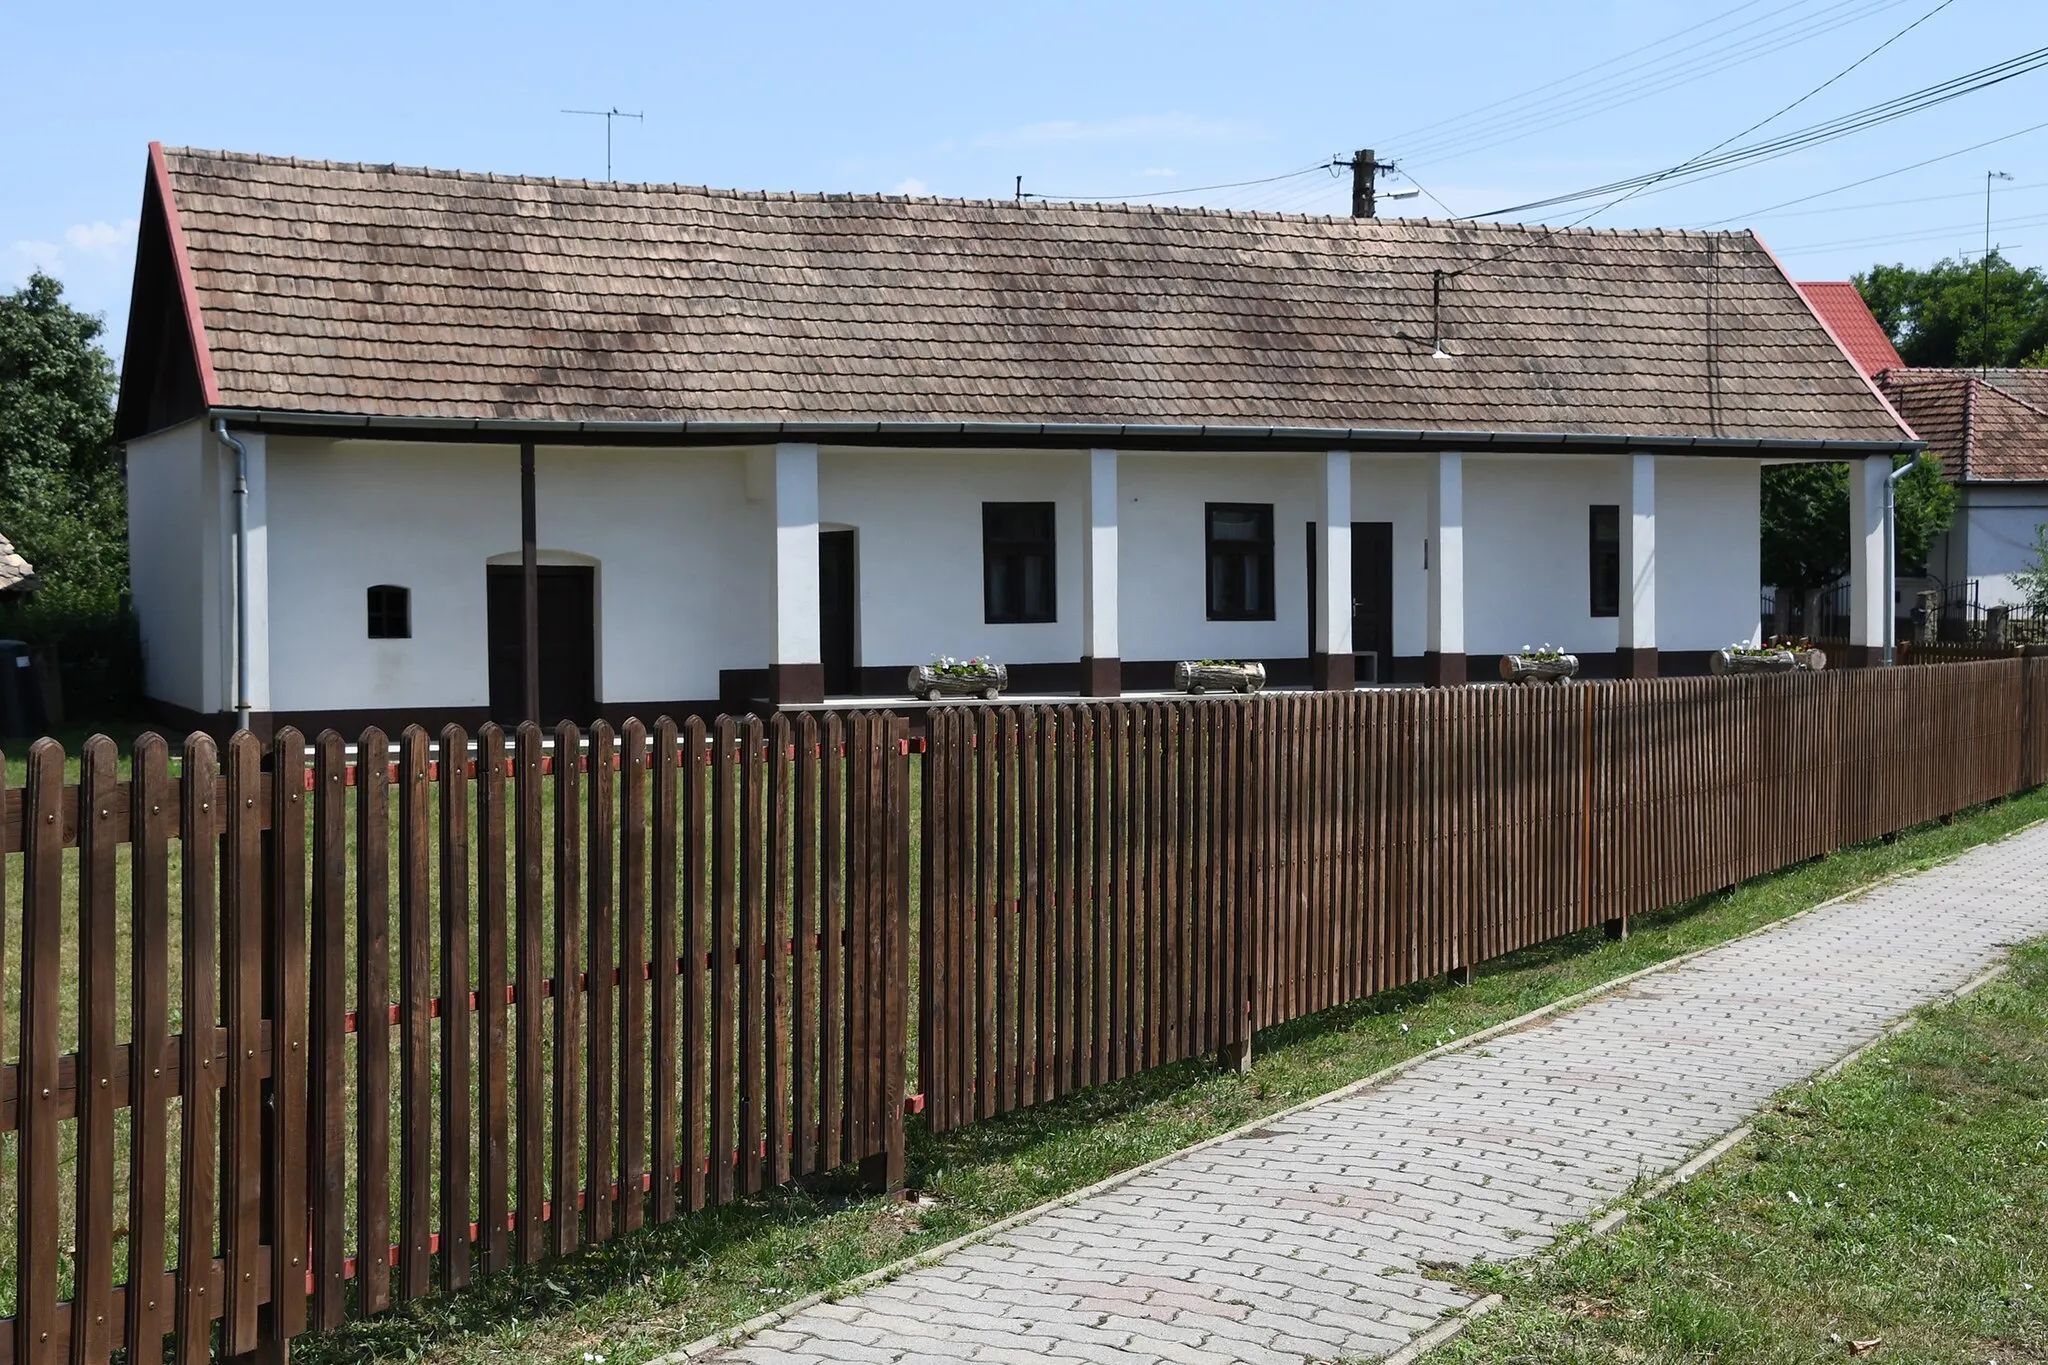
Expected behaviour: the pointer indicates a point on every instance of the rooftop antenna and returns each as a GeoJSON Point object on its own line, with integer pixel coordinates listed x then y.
{"type": "Point", "coordinates": [607, 115]}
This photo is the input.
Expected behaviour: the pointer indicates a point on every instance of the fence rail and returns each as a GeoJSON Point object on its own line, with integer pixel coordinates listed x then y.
{"type": "Point", "coordinates": [398, 1024]}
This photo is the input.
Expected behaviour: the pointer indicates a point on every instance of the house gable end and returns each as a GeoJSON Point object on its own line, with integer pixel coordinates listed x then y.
{"type": "Point", "coordinates": [166, 373]}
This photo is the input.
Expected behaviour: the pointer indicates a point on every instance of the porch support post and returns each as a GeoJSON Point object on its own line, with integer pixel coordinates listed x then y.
{"type": "Point", "coordinates": [1102, 671]}
{"type": "Point", "coordinates": [1334, 665]}
{"type": "Point", "coordinates": [529, 588]}
{"type": "Point", "coordinates": [1870, 616]}
{"type": "Point", "coordinates": [1443, 661]}
{"type": "Point", "coordinates": [796, 673]}
{"type": "Point", "coordinates": [1638, 642]}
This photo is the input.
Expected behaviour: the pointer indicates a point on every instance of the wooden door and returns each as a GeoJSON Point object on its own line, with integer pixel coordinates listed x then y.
{"type": "Point", "coordinates": [1372, 598]}
{"type": "Point", "coordinates": [838, 587]}
{"type": "Point", "coordinates": [568, 643]}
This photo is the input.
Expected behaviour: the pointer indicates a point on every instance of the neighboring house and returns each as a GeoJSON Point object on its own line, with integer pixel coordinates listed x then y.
{"type": "Point", "coordinates": [784, 446]}
{"type": "Point", "coordinates": [1989, 429]}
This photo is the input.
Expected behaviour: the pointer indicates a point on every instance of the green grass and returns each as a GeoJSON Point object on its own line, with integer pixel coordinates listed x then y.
{"type": "Point", "coordinates": [1921, 1176]}
{"type": "Point", "coordinates": [666, 1286]}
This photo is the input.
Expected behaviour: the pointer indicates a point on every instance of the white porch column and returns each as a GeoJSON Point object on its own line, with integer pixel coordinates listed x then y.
{"type": "Point", "coordinates": [1444, 659]}
{"type": "Point", "coordinates": [1101, 663]}
{"type": "Point", "coordinates": [1870, 615]}
{"type": "Point", "coordinates": [1638, 643]}
{"type": "Point", "coordinates": [1334, 666]}
{"type": "Point", "coordinates": [796, 672]}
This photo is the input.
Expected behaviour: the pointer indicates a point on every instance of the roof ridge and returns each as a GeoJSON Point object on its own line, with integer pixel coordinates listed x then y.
{"type": "Point", "coordinates": [883, 197]}
{"type": "Point", "coordinates": [2009, 396]}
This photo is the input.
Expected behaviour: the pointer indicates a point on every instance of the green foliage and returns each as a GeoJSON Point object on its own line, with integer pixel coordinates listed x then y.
{"type": "Point", "coordinates": [1937, 316]}
{"type": "Point", "coordinates": [2032, 581]}
{"type": "Point", "coordinates": [1805, 521]}
{"type": "Point", "coordinates": [62, 500]}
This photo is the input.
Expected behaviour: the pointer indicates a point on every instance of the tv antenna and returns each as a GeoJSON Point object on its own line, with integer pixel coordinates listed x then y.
{"type": "Point", "coordinates": [607, 115]}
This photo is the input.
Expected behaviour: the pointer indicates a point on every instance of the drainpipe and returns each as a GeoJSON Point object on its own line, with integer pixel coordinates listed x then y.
{"type": "Point", "coordinates": [1891, 556]}
{"type": "Point", "coordinates": [220, 428]}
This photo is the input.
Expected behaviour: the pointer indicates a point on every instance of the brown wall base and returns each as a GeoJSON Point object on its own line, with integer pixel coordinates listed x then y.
{"type": "Point", "coordinates": [1333, 672]}
{"type": "Point", "coordinates": [1445, 670]}
{"type": "Point", "coordinates": [1102, 677]}
{"type": "Point", "coordinates": [796, 684]}
{"type": "Point", "coordinates": [1636, 663]}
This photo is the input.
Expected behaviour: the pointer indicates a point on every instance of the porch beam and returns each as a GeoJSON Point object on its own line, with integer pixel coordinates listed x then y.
{"type": "Point", "coordinates": [1870, 615]}
{"type": "Point", "coordinates": [1444, 657]}
{"type": "Point", "coordinates": [1101, 659]}
{"type": "Point", "coordinates": [796, 672]}
{"type": "Point", "coordinates": [1638, 639]}
{"type": "Point", "coordinates": [1334, 666]}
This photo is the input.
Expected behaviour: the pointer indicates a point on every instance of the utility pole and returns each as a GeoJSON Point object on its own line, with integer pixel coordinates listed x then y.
{"type": "Point", "coordinates": [607, 115]}
{"type": "Point", "coordinates": [1364, 171]}
{"type": "Point", "coordinates": [1984, 342]}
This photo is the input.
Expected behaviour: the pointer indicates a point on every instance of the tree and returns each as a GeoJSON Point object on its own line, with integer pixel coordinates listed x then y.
{"type": "Point", "coordinates": [1805, 522]}
{"type": "Point", "coordinates": [2032, 581]}
{"type": "Point", "coordinates": [1937, 316]}
{"type": "Point", "coordinates": [62, 499]}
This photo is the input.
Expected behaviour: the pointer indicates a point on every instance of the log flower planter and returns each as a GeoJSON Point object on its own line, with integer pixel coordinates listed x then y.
{"type": "Point", "coordinates": [943, 678]}
{"type": "Point", "coordinates": [1748, 659]}
{"type": "Point", "coordinates": [1196, 676]}
{"type": "Point", "coordinates": [1539, 665]}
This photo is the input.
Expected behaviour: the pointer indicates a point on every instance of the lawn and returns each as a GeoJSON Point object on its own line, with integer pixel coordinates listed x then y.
{"type": "Point", "coordinates": [1893, 1212]}
{"type": "Point", "coordinates": [661, 1288]}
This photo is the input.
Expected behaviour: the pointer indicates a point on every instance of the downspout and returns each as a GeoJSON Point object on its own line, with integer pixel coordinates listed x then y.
{"type": "Point", "coordinates": [1891, 555]}
{"type": "Point", "coordinates": [220, 429]}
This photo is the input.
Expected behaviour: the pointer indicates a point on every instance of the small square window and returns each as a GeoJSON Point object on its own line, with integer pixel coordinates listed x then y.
{"type": "Point", "coordinates": [1240, 545]}
{"type": "Point", "coordinates": [390, 612]}
{"type": "Point", "coordinates": [1603, 557]}
{"type": "Point", "coordinates": [1017, 557]}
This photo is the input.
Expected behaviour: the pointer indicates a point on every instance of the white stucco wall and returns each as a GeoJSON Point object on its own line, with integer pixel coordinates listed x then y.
{"type": "Point", "coordinates": [1708, 546]}
{"type": "Point", "coordinates": [1526, 564]}
{"type": "Point", "coordinates": [1997, 537]}
{"type": "Point", "coordinates": [174, 563]}
{"type": "Point", "coordinates": [916, 518]}
{"type": "Point", "coordinates": [678, 548]}
{"type": "Point", "coordinates": [1164, 551]}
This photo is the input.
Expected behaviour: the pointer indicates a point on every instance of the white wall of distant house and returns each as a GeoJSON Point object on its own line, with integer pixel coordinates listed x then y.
{"type": "Point", "coordinates": [1998, 537]}
{"type": "Point", "coordinates": [174, 545]}
{"type": "Point", "coordinates": [676, 545]}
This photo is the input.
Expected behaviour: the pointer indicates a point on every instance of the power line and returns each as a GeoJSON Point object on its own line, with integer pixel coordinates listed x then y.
{"type": "Point", "coordinates": [1518, 124]}
{"type": "Point", "coordinates": [1715, 161]}
{"type": "Point", "coordinates": [1895, 203]}
{"type": "Point", "coordinates": [1162, 194]}
{"type": "Point", "coordinates": [1920, 234]}
{"type": "Point", "coordinates": [1881, 175]}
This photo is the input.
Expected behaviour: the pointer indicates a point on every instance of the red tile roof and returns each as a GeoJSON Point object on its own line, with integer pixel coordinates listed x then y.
{"type": "Point", "coordinates": [1848, 317]}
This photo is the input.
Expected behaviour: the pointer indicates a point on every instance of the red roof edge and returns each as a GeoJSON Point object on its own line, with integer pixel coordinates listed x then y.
{"type": "Point", "coordinates": [1834, 336]}
{"type": "Point", "coordinates": [1842, 305]}
{"type": "Point", "coordinates": [195, 325]}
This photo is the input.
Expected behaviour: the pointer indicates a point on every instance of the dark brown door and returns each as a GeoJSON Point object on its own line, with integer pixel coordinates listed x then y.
{"type": "Point", "coordinates": [838, 583]}
{"type": "Point", "coordinates": [1372, 598]}
{"type": "Point", "coordinates": [568, 644]}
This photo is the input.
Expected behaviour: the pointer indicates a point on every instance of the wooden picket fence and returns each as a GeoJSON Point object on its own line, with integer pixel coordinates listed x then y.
{"type": "Point", "coordinates": [470, 1004]}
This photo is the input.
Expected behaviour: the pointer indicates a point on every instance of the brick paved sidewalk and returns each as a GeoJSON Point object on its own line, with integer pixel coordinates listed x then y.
{"type": "Point", "coordinates": [1301, 1241]}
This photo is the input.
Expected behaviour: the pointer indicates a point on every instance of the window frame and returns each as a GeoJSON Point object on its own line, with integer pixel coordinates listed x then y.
{"type": "Point", "coordinates": [379, 611]}
{"type": "Point", "coordinates": [1008, 554]}
{"type": "Point", "coordinates": [1237, 551]}
{"type": "Point", "coordinates": [1603, 551]}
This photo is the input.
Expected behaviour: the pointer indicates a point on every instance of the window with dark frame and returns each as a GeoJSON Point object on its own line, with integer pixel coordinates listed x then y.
{"type": "Point", "coordinates": [1603, 558]}
{"type": "Point", "coordinates": [1018, 586]}
{"type": "Point", "coordinates": [1240, 545]}
{"type": "Point", "coordinates": [390, 612]}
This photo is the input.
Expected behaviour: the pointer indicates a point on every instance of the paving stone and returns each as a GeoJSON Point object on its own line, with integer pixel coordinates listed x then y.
{"type": "Point", "coordinates": [1300, 1244]}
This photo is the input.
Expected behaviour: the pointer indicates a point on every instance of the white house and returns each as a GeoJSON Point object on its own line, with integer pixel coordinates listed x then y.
{"type": "Point", "coordinates": [784, 446]}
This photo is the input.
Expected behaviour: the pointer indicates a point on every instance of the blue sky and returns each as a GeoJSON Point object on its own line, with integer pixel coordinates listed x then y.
{"type": "Point", "coordinates": [1098, 98]}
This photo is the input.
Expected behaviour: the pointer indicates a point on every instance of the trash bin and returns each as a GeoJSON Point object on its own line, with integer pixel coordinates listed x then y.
{"type": "Point", "coordinates": [22, 713]}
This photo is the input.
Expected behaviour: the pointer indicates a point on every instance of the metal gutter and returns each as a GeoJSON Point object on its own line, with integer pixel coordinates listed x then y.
{"type": "Point", "coordinates": [1064, 435]}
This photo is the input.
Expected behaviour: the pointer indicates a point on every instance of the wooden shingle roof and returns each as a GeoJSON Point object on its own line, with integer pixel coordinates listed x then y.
{"type": "Point", "coordinates": [392, 293]}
